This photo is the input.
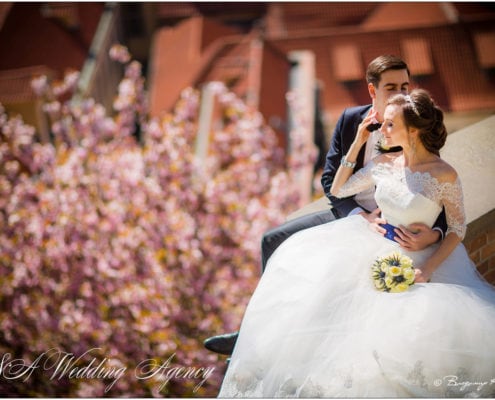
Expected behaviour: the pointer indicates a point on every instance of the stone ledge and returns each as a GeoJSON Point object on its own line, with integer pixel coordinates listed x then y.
{"type": "Point", "coordinates": [471, 151]}
{"type": "Point", "coordinates": [320, 204]}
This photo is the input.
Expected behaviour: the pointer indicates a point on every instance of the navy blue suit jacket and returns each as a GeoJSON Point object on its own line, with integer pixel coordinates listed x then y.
{"type": "Point", "coordinates": [344, 133]}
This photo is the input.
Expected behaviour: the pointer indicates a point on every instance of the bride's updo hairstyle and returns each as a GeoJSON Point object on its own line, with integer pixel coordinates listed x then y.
{"type": "Point", "coordinates": [420, 111]}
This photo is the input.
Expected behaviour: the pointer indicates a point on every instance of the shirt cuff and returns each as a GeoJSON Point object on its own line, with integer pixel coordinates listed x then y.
{"type": "Point", "coordinates": [357, 210]}
{"type": "Point", "coordinates": [436, 228]}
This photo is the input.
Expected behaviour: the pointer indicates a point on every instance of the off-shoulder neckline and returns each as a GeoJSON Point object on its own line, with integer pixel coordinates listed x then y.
{"type": "Point", "coordinates": [415, 174]}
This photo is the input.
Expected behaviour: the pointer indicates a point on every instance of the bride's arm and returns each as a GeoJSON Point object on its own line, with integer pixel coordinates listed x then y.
{"type": "Point", "coordinates": [456, 220]}
{"type": "Point", "coordinates": [344, 172]}
{"type": "Point", "coordinates": [424, 272]}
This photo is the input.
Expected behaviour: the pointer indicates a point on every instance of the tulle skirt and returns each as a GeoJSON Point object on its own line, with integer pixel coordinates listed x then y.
{"type": "Point", "coordinates": [317, 327]}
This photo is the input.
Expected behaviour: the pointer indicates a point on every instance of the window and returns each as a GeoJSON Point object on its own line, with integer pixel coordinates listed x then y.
{"type": "Point", "coordinates": [485, 49]}
{"type": "Point", "coordinates": [417, 54]}
{"type": "Point", "coordinates": [347, 65]}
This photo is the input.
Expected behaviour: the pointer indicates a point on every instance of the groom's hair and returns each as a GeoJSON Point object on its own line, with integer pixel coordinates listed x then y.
{"type": "Point", "coordinates": [381, 64]}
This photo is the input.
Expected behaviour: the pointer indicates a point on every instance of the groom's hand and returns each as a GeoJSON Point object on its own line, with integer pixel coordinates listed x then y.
{"type": "Point", "coordinates": [416, 236]}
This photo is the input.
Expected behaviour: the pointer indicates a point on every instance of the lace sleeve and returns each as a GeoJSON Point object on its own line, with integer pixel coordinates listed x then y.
{"type": "Point", "coordinates": [357, 182]}
{"type": "Point", "coordinates": [453, 201]}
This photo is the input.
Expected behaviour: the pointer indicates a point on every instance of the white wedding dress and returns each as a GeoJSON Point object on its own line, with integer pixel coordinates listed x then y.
{"type": "Point", "coordinates": [317, 327]}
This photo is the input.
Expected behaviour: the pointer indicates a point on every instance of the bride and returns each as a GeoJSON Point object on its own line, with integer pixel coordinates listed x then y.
{"type": "Point", "coordinates": [316, 326]}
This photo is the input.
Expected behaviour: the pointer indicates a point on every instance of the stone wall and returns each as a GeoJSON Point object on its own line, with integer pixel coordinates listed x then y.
{"type": "Point", "coordinates": [471, 151]}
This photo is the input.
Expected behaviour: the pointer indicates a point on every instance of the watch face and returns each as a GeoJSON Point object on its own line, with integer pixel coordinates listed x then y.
{"type": "Point", "coordinates": [346, 163]}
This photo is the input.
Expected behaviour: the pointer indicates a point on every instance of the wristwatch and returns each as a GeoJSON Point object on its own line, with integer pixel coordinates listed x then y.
{"type": "Point", "coordinates": [346, 163]}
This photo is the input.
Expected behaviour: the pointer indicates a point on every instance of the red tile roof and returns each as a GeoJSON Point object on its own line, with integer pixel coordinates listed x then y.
{"type": "Point", "coordinates": [15, 85]}
{"type": "Point", "coordinates": [4, 11]}
{"type": "Point", "coordinates": [450, 60]}
{"type": "Point", "coordinates": [29, 38]}
{"type": "Point", "coordinates": [303, 16]}
{"type": "Point", "coordinates": [404, 15]}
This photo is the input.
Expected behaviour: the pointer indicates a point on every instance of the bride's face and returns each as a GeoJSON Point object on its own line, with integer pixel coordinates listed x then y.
{"type": "Point", "coordinates": [393, 128]}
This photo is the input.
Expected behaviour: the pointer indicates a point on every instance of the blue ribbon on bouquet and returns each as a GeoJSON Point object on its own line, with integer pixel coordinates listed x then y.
{"type": "Point", "coordinates": [390, 234]}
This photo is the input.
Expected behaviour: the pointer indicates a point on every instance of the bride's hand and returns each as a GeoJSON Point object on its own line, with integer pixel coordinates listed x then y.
{"type": "Point", "coordinates": [362, 133]}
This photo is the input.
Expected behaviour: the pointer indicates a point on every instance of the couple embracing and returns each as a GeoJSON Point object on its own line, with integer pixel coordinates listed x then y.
{"type": "Point", "coordinates": [316, 325]}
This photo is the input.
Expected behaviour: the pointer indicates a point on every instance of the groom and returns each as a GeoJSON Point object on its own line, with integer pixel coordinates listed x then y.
{"type": "Point", "coordinates": [386, 76]}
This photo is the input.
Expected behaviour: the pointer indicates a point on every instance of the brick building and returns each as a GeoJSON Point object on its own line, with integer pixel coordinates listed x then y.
{"type": "Point", "coordinates": [31, 36]}
{"type": "Point", "coordinates": [450, 48]}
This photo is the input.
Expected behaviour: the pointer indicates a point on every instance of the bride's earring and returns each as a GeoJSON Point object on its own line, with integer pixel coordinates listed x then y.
{"type": "Point", "coordinates": [413, 145]}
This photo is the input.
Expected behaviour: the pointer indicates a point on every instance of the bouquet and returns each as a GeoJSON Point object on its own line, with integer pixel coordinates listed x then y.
{"type": "Point", "coordinates": [393, 273]}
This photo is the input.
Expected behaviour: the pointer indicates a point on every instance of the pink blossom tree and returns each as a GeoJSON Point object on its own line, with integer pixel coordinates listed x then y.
{"type": "Point", "coordinates": [114, 251]}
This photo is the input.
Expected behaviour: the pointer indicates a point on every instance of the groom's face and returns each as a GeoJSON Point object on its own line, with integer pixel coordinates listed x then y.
{"type": "Point", "coordinates": [392, 82]}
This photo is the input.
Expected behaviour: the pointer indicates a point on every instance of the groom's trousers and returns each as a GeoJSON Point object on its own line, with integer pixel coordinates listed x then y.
{"type": "Point", "coordinates": [274, 237]}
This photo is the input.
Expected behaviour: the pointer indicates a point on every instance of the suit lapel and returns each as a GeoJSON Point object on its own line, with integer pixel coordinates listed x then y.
{"type": "Point", "coordinates": [360, 157]}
